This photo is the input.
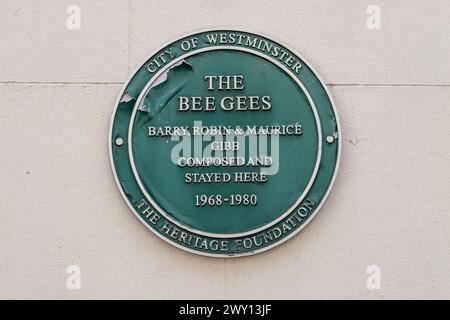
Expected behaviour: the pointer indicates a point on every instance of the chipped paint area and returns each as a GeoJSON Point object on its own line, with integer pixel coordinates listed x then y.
{"type": "Point", "coordinates": [165, 88]}
{"type": "Point", "coordinates": [127, 98]}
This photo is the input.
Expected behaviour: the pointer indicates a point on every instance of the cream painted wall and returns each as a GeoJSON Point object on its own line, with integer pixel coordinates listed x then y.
{"type": "Point", "coordinates": [390, 205]}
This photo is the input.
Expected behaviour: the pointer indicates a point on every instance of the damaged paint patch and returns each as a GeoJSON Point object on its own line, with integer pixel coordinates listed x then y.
{"type": "Point", "coordinates": [127, 98]}
{"type": "Point", "coordinates": [165, 87]}
{"type": "Point", "coordinates": [335, 132]}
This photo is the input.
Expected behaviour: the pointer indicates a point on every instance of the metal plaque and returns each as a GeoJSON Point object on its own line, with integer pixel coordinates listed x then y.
{"type": "Point", "coordinates": [225, 143]}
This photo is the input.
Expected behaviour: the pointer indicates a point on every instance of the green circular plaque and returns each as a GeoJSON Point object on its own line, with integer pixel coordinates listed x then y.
{"type": "Point", "coordinates": [225, 143]}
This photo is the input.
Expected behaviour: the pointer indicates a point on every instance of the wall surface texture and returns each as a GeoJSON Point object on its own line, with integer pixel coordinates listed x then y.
{"type": "Point", "coordinates": [390, 205]}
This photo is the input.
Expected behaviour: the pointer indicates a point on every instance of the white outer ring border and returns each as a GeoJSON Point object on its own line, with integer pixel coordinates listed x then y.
{"type": "Point", "coordinates": [163, 212]}
{"type": "Point", "coordinates": [311, 216]}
